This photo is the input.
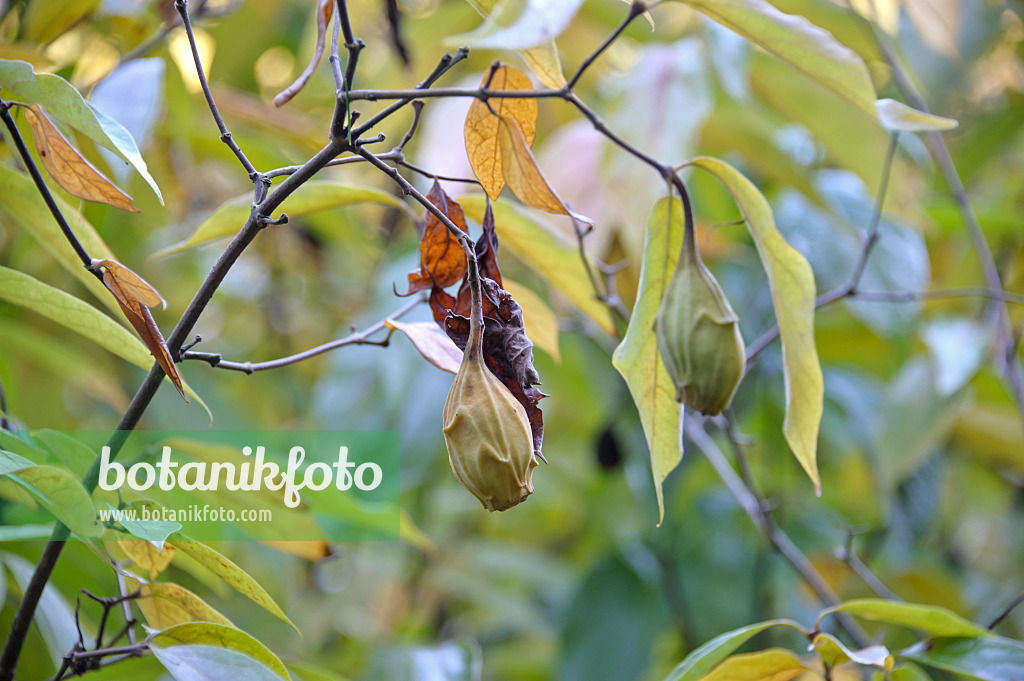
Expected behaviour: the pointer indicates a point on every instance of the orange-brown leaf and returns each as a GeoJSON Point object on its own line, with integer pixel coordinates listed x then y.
{"type": "Point", "coordinates": [130, 284]}
{"type": "Point", "coordinates": [442, 260]}
{"type": "Point", "coordinates": [137, 313]}
{"type": "Point", "coordinates": [521, 172]}
{"type": "Point", "coordinates": [483, 145]}
{"type": "Point", "coordinates": [68, 168]}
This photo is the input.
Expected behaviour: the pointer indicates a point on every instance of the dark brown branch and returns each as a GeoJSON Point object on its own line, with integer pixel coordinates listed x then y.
{"type": "Point", "coordinates": [635, 9]}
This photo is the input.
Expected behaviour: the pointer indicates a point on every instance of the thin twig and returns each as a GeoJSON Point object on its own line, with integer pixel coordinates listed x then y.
{"type": "Point", "coordinates": [225, 136]}
{"type": "Point", "coordinates": [635, 9]}
{"type": "Point", "coordinates": [756, 510]}
{"type": "Point", "coordinates": [360, 338]}
{"type": "Point", "coordinates": [1007, 354]}
{"type": "Point", "coordinates": [1006, 611]}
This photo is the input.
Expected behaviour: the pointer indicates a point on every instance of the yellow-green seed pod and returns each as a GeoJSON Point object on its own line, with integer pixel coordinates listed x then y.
{"type": "Point", "coordinates": [699, 337]}
{"type": "Point", "coordinates": [490, 443]}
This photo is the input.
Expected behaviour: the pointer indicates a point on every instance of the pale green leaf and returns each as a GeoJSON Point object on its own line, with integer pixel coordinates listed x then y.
{"type": "Point", "coordinates": [774, 664]}
{"type": "Point", "coordinates": [220, 636]}
{"type": "Point", "coordinates": [792, 287]}
{"type": "Point", "coordinates": [637, 357]}
{"type": "Point", "coordinates": [991, 658]}
{"type": "Point", "coordinates": [62, 101]}
{"type": "Point", "coordinates": [797, 41]}
{"type": "Point", "coordinates": [234, 576]}
{"type": "Point", "coordinates": [706, 657]}
{"type": "Point", "coordinates": [515, 25]}
{"type": "Point", "coordinates": [53, 615]}
{"type": "Point", "coordinates": [20, 200]}
{"type": "Point", "coordinates": [547, 253]}
{"type": "Point", "coordinates": [931, 619]}
{"type": "Point", "coordinates": [312, 197]}
{"type": "Point", "coordinates": [543, 60]}
{"type": "Point", "coordinates": [209, 663]}
{"type": "Point", "coordinates": [20, 289]}
{"type": "Point", "coordinates": [60, 493]}
{"type": "Point", "coordinates": [899, 117]}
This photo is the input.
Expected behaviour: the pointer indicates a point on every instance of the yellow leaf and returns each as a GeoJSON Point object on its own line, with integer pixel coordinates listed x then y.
{"type": "Point", "coordinates": [774, 664]}
{"type": "Point", "coordinates": [637, 357]}
{"type": "Point", "coordinates": [483, 121]}
{"type": "Point", "coordinates": [147, 556]}
{"type": "Point", "coordinates": [166, 604]}
{"type": "Point", "coordinates": [68, 168]}
{"type": "Point", "coordinates": [521, 172]}
{"type": "Point", "coordinates": [540, 321]}
{"type": "Point", "coordinates": [791, 281]}
{"type": "Point", "coordinates": [544, 61]}
{"type": "Point", "coordinates": [309, 550]}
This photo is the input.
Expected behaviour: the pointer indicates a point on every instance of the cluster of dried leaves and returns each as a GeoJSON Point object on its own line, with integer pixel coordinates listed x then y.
{"type": "Point", "coordinates": [78, 177]}
{"type": "Point", "coordinates": [508, 352]}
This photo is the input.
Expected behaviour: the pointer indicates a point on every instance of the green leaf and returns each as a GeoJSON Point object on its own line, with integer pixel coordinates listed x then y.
{"type": "Point", "coordinates": [774, 664]}
{"type": "Point", "coordinates": [990, 658]}
{"type": "Point", "coordinates": [20, 200]}
{"type": "Point", "coordinates": [76, 456]}
{"type": "Point", "coordinates": [234, 576]}
{"type": "Point", "coordinates": [312, 197]}
{"type": "Point", "coordinates": [63, 102]}
{"type": "Point", "coordinates": [25, 291]}
{"type": "Point", "coordinates": [546, 252]}
{"type": "Point", "coordinates": [59, 492]}
{"type": "Point", "coordinates": [155, 531]}
{"type": "Point", "coordinates": [899, 117]}
{"type": "Point", "coordinates": [219, 636]}
{"type": "Point", "coordinates": [23, 532]}
{"type": "Point", "coordinates": [166, 604]}
{"type": "Point", "coordinates": [792, 287]}
{"type": "Point", "coordinates": [637, 357]}
{"type": "Point", "coordinates": [931, 619]}
{"type": "Point", "coordinates": [702, 660]}
{"type": "Point", "coordinates": [794, 39]}
{"type": "Point", "coordinates": [208, 663]}
{"type": "Point", "coordinates": [53, 615]}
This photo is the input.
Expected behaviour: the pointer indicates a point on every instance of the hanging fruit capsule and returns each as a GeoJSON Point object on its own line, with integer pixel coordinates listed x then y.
{"type": "Point", "coordinates": [699, 336]}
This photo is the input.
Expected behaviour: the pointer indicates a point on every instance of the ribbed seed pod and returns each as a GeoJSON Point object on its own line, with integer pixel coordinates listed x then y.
{"type": "Point", "coordinates": [699, 336]}
{"type": "Point", "coordinates": [490, 443]}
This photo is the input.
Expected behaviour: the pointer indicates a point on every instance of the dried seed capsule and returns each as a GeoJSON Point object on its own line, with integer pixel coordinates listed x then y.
{"type": "Point", "coordinates": [490, 444]}
{"type": "Point", "coordinates": [699, 336]}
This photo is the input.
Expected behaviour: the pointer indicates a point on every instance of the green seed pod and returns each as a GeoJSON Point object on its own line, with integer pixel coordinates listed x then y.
{"type": "Point", "coordinates": [490, 443]}
{"type": "Point", "coordinates": [699, 337]}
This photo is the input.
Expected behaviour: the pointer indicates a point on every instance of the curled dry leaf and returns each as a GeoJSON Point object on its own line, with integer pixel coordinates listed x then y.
{"type": "Point", "coordinates": [68, 167]}
{"type": "Point", "coordinates": [135, 296]}
{"type": "Point", "coordinates": [442, 260]}
{"type": "Point", "coordinates": [324, 11]}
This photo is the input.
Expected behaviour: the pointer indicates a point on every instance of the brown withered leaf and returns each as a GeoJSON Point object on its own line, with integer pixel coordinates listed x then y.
{"type": "Point", "coordinates": [508, 352]}
{"type": "Point", "coordinates": [442, 260]}
{"type": "Point", "coordinates": [132, 293]}
{"type": "Point", "coordinates": [483, 144]}
{"type": "Point", "coordinates": [324, 11]}
{"type": "Point", "coordinates": [134, 286]}
{"type": "Point", "coordinates": [68, 167]}
{"type": "Point", "coordinates": [486, 250]}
